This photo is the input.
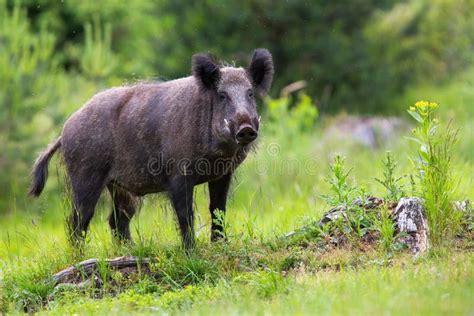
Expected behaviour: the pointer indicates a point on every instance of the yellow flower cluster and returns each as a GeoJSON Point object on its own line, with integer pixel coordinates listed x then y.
{"type": "Point", "coordinates": [424, 105]}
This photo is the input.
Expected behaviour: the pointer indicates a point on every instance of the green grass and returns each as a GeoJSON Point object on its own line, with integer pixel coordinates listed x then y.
{"type": "Point", "coordinates": [278, 189]}
{"type": "Point", "coordinates": [406, 287]}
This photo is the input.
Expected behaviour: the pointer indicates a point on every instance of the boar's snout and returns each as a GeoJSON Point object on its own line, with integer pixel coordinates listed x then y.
{"type": "Point", "coordinates": [246, 134]}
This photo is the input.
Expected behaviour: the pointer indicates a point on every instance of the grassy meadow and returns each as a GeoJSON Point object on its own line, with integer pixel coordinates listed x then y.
{"type": "Point", "coordinates": [366, 61]}
{"type": "Point", "coordinates": [277, 190]}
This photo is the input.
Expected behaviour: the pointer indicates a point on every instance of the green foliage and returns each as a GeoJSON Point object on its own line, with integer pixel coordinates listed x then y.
{"type": "Point", "coordinates": [55, 55]}
{"type": "Point", "coordinates": [32, 296]}
{"type": "Point", "coordinates": [36, 93]}
{"type": "Point", "coordinates": [182, 270]}
{"type": "Point", "coordinates": [98, 61]}
{"type": "Point", "coordinates": [386, 227]}
{"type": "Point", "coordinates": [268, 284]}
{"type": "Point", "coordinates": [456, 96]}
{"type": "Point", "coordinates": [343, 192]}
{"type": "Point", "coordinates": [335, 27]}
{"type": "Point", "coordinates": [357, 219]}
{"type": "Point", "coordinates": [24, 57]}
{"type": "Point", "coordinates": [391, 182]}
{"type": "Point", "coordinates": [134, 27]}
{"type": "Point", "coordinates": [418, 41]}
{"type": "Point", "coordinates": [351, 63]}
{"type": "Point", "coordinates": [220, 221]}
{"type": "Point", "coordinates": [351, 291]}
{"type": "Point", "coordinates": [288, 120]}
{"type": "Point", "coordinates": [361, 221]}
{"type": "Point", "coordinates": [436, 182]}
{"type": "Point", "coordinates": [30, 290]}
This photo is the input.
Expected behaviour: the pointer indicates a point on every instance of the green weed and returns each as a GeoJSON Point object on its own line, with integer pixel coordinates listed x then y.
{"type": "Point", "coordinates": [390, 181]}
{"type": "Point", "coordinates": [386, 227]}
{"type": "Point", "coordinates": [437, 184]}
{"type": "Point", "coordinates": [343, 192]}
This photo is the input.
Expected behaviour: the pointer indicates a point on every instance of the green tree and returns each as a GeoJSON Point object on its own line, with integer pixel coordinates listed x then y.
{"type": "Point", "coordinates": [321, 42]}
{"type": "Point", "coordinates": [24, 58]}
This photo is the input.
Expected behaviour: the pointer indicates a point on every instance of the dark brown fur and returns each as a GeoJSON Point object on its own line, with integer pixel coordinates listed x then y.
{"type": "Point", "coordinates": [156, 137]}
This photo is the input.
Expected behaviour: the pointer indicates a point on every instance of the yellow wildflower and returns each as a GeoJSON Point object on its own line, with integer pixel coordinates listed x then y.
{"type": "Point", "coordinates": [421, 104]}
{"type": "Point", "coordinates": [412, 108]}
{"type": "Point", "coordinates": [425, 104]}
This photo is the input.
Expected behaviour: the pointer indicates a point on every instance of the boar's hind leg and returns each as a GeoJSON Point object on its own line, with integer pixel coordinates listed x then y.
{"type": "Point", "coordinates": [218, 197]}
{"type": "Point", "coordinates": [181, 195]}
{"type": "Point", "coordinates": [86, 191]}
{"type": "Point", "coordinates": [124, 207]}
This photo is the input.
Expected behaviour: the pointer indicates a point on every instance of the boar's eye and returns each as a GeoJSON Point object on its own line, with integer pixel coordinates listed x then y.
{"type": "Point", "coordinates": [250, 93]}
{"type": "Point", "coordinates": [222, 96]}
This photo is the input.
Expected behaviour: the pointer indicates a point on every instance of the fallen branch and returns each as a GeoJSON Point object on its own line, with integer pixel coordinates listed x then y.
{"type": "Point", "coordinates": [81, 273]}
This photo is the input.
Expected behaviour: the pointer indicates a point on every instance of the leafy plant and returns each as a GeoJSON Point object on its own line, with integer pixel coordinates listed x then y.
{"type": "Point", "coordinates": [220, 221]}
{"type": "Point", "coordinates": [98, 60]}
{"type": "Point", "coordinates": [386, 227]}
{"type": "Point", "coordinates": [357, 219]}
{"type": "Point", "coordinates": [391, 182]}
{"type": "Point", "coordinates": [361, 221]}
{"type": "Point", "coordinates": [343, 192]}
{"type": "Point", "coordinates": [299, 116]}
{"type": "Point", "coordinates": [436, 182]}
{"type": "Point", "coordinates": [24, 58]}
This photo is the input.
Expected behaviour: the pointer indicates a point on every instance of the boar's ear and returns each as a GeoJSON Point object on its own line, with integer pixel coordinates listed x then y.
{"type": "Point", "coordinates": [205, 70]}
{"type": "Point", "coordinates": [261, 70]}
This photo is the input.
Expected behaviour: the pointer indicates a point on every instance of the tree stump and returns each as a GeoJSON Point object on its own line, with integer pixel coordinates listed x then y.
{"type": "Point", "coordinates": [408, 215]}
{"type": "Point", "coordinates": [411, 224]}
{"type": "Point", "coordinates": [340, 212]}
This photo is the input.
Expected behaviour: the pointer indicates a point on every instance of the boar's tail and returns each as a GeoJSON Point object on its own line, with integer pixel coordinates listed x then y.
{"type": "Point", "coordinates": [40, 169]}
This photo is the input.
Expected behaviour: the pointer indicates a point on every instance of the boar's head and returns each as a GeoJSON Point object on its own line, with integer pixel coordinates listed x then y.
{"type": "Point", "coordinates": [232, 92]}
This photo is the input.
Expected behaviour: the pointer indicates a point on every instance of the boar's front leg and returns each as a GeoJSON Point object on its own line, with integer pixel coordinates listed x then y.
{"type": "Point", "coordinates": [218, 197]}
{"type": "Point", "coordinates": [181, 195]}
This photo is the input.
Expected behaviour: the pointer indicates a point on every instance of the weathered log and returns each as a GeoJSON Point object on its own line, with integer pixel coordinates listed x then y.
{"type": "Point", "coordinates": [408, 215]}
{"type": "Point", "coordinates": [411, 224]}
{"type": "Point", "coordinates": [339, 212]}
{"type": "Point", "coordinates": [88, 269]}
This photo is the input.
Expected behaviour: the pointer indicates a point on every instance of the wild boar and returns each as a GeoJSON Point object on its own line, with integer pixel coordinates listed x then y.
{"type": "Point", "coordinates": [160, 137]}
